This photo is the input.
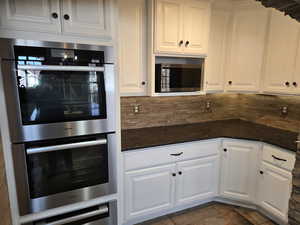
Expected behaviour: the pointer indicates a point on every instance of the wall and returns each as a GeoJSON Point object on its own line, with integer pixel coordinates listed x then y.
{"type": "Point", "coordinates": [4, 202]}
{"type": "Point", "coordinates": [163, 111]}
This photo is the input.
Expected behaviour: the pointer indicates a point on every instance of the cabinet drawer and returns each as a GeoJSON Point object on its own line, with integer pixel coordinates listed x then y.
{"type": "Point", "coordinates": [279, 157]}
{"type": "Point", "coordinates": [154, 156]}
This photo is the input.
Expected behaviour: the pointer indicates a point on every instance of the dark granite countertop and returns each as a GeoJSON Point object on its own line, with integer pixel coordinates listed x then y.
{"type": "Point", "coordinates": [234, 128]}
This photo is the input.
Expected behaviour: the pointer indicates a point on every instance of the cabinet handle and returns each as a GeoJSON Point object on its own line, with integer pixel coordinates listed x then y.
{"type": "Point", "coordinates": [66, 17]}
{"type": "Point", "coordinates": [230, 82]}
{"type": "Point", "coordinates": [225, 149]}
{"type": "Point", "coordinates": [180, 173]}
{"type": "Point", "coordinates": [295, 84]}
{"type": "Point", "coordinates": [181, 43]}
{"type": "Point", "coordinates": [187, 43]}
{"type": "Point", "coordinates": [174, 174]}
{"type": "Point", "coordinates": [143, 83]}
{"type": "Point", "coordinates": [287, 83]}
{"type": "Point", "coordinates": [54, 15]}
{"type": "Point", "coordinates": [261, 172]}
{"type": "Point", "coordinates": [279, 159]}
{"type": "Point", "coordinates": [177, 154]}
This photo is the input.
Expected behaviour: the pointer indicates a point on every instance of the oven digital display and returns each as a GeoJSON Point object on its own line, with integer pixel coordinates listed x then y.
{"type": "Point", "coordinates": [62, 53]}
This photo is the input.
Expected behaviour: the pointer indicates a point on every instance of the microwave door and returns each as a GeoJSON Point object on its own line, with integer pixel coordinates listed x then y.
{"type": "Point", "coordinates": [179, 78]}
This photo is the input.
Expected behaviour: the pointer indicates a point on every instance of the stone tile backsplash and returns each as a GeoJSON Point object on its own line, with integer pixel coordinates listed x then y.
{"type": "Point", "coordinates": [164, 111]}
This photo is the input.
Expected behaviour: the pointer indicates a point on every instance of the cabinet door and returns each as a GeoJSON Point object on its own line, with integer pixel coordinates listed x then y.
{"type": "Point", "coordinates": [197, 180]}
{"type": "Point", "coordinates": [281, 53]}
{"type": "Point", "coordinates": [296, 78]}
{"type": "Point", "coordinates": [149, 190]}
{"type": "Point", "coordinates": [239, 170]}
{"type": "Point", "coordinates": [30, 15]}
{"type": "Point", "coordinates": [215, 73]}
{"type": "Point", "coordinates": [246, 49]}
{"type": "Point", "coordinates": [196, 20]}
{"type": "Point", "coordinates": [89, 17]}
{"type": "Point", "coordinates": [132, 47]}
{"type": "Point", "coordinates": [275, 187]}
{"type": "Point", "coordinates": [168, 26]}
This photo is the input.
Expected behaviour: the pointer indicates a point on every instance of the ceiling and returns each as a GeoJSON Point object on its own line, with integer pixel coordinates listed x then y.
{"type": "Point", "coordinates": [289, 7]}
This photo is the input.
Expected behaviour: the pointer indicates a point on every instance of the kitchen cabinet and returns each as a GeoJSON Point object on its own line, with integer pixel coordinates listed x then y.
{"type": "Point", "coordinates": [246, 51]}
{"type": "Point", "coordinates": [239, 170]}
{"type": "Point", "coordinates": [275, 186]}
{"type": "Point", "coordinates": [281, 54]}
{"type": "Point", "coordinates": [182, 26]}
{"type": "Point", "coordinates": [172, 176]}
{"type": "Point", "coordinates": [215, 61]}
{"type": "Point", "coordinates": [40, 16]}
{"type": "Point", "coordinates": [132, 47]}
{"type": "Point", "coordinates": [149, 190]}
{"type": "Point", "coordinates": [197, 180]}
{"type": "Point", "coordinates": [89, 18]}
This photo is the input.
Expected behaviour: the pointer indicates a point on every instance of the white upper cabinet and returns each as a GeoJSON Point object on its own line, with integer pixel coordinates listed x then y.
{"type": "Point", "coordinates": [65, 18]}
{"type": "Point", "coordinates": [182, 26]}
{"type": "Point", "coordinates": [88, 17]}
{"type": "Point", "coordinates": [239, 170]}
{"type": "Point", "coordinates": [197, 180]}
{"type": "Point", "coordinates": [132, 47]}
{"type": "Point", "coordinates": [40, 16]}
{"type": "Point", "coordinates": [196, 17]}
{"type": "Point", "coordinates": [215, 61]}
{"type": "Point", "coordinates": [275, 186]}
{"type": "Point", "coordinates": [249, 26]}
{"type": "Point", "coordinates": [282, 46]}
{"type": "Point", "coordinates": [168, 26]}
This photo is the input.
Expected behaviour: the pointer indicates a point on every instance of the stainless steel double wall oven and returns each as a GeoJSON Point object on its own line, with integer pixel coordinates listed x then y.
{"type": "Point", "coordinates": [60, 101]}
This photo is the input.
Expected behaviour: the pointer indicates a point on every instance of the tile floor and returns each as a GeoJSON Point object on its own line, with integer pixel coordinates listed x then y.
{"type": "Point", "coordinates": [213, 214]}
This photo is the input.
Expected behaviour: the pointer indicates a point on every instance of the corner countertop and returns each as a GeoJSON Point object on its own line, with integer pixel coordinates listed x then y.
{"type": "Point", "coordinates": [233, 128]}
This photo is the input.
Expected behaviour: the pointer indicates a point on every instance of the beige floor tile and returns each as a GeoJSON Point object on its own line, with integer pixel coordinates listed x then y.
{"type": "Point", "coordinates": [159, 221]}
{"type": "Point", "coordinates": [213, 214]}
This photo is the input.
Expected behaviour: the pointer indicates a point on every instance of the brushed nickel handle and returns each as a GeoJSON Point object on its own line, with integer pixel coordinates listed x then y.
{"type": "Point", "coordinates": [98, 212]}
{"type": "Point", "coordinates": [297, 141]}
{"type": "Point", "coordinates": [62, 68]}
{"type": "Point", "coordinates": [31, 151]}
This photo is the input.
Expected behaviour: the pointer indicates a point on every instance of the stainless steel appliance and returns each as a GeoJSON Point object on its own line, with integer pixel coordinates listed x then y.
{"type": "Point", "coordinates": [56, 90]}
{"type": "Point", "coordinates": [60, 101]}
{"type": "Point", "coordinates": [178, 74]}
{"type": "Point", "coordinates": [95, 215]}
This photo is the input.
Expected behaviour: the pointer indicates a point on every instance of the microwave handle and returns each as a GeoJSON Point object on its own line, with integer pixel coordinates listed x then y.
{"type": "Point", "coordinates": [62, 68]}
{"type": "Point", "coordinates": [98, 212]}
{"type": "Point", "coordinates": [53, 148]}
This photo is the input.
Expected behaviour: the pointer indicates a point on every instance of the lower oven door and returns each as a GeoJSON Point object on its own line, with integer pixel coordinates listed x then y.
{"type": "Point", "coordinates": [61, 172]}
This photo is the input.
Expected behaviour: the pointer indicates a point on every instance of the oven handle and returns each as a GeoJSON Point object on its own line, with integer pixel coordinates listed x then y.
{"type": "Point", "coordinates": [62, 68]}
{"type": "Point", "coordinates": [100, 211]}
{"type": "Point", "coordinates": [31, 151]}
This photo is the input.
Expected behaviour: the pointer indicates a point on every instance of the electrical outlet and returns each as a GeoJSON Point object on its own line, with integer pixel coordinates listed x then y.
{"type": "Point", "coordinates": [208, 106]}
{"type": "Point", "coordinates": [136, 108]}
{"type": "Point", "coordinates": [284, 110]}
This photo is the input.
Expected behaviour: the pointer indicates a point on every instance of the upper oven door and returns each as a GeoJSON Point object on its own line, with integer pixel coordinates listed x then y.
{"type": "Point", "coordinates": [52, 94]}
{"type": "Point", "coordinates": [47, 102]}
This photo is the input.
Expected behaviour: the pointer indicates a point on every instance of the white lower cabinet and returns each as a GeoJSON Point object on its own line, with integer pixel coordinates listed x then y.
{"type": "Point", "coordinates": [197, 180]}
{"type": "Point", "coordinates": [239, 170]}
{"type": "Point", "coordinates": [275, 186]}
{"type": "Point", "coordinates": [189, 176]}
{"type": "Point", "coordinates": [149, 190]}
{"type": "Point", "coordinates": [168, 178]}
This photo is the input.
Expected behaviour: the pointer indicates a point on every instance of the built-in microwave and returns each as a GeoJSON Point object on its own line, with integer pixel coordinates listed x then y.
{"type": "Point", "coordinates": [178, 75]}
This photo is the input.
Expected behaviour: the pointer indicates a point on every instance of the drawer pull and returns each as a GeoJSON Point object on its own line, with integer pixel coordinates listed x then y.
{"type": "Point", "coordinates": [278, 158]}
{"type": "Point", "coordinates": [177, 154]}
